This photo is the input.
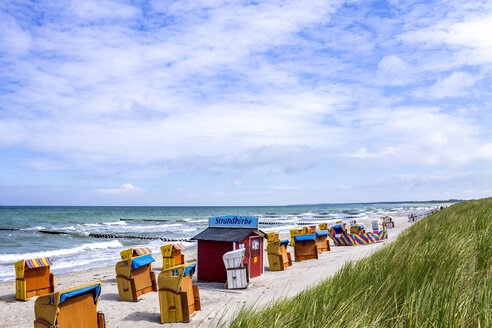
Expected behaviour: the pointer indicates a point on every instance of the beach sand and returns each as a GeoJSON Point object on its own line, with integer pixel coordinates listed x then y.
{"type": "Point", "coordinates": [218, 304]}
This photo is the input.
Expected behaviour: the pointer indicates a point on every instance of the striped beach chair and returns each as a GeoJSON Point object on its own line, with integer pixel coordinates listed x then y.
{"type": "Point", "coordinates": [171, 255]}
{"type": "Point", "coordinates": [134, 275]}
{"type": "Point", "coordinates": [33, 278]}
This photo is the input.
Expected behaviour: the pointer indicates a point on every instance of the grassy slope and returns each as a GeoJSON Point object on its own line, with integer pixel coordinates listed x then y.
{"type": "Point", "coordinates": [438, 273]}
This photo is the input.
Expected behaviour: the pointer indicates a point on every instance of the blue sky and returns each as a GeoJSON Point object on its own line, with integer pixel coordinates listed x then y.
{"type": "Point", "coordinates": [244, 102]}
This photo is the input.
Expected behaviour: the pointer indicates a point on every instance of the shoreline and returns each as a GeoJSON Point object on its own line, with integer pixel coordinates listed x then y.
{"type": "Point", "coordinates": [218, 304]}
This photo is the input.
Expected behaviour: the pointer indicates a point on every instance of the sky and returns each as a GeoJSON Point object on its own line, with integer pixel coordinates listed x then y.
{"type": "Point", "coordinates": [202, 102]}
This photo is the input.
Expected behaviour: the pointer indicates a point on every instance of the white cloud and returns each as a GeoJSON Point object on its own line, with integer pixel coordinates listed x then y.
{"type": "Point", "coordinates": [465, 34]}
{"type": "Point", "coordinates": [283, 188]}
{"type": "Point", "coordinates": [13, 39]}
{"type": "Point", "coordinates": [362, 153]}
{"type": "Point", "coordinates": [126, 188]}
{"type": "Point", "coordinates": [392, 70]}
{"type": "Point", "coordinates": [457, 84]}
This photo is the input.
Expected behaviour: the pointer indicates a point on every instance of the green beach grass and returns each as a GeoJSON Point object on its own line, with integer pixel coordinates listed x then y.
{"type": "Point", "coordinates": [438, 273]}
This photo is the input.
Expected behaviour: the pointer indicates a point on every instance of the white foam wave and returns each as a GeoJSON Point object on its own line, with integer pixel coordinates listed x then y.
{"type": "Point", "coordinates": [4, 258]}
{"type": "Point", "coordinates": [161, 226]}
{"type": "Point", "coordinates": [115, 223]}
{"type": "Point", "coordinates": [195, 220]}
{"type": "Point", "coordinates": [69, 228]}
{"type": "Point", "coordinates": [34, 228]}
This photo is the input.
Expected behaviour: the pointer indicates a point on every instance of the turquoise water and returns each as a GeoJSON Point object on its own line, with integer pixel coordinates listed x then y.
{"type": "Point", "coordinates": [76, 250]}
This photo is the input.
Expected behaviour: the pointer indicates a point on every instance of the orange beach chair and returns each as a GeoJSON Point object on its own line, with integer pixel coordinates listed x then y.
{"type": "Point", "coordinates": [134, 275]}
{"type": "Point", "coordinates": [73, 308]}
{"type": "Point", "coordinates": [171, 255]}
{"type": "Point", "coordinates": [33, 278]}
{"type": "Point", "coordinates": [305, 248]}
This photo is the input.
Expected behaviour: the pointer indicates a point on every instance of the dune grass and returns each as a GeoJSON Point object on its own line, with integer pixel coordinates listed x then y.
{"type": "Point", "coordinates": [438, 273]}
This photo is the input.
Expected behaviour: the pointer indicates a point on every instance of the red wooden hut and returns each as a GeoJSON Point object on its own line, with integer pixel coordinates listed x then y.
{"type": "Point", "coordinates": [224, 234]}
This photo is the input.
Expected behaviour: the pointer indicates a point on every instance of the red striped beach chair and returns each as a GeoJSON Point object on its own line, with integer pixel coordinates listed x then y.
{"type": "Point", "coordinates": [33, 278]}
{"type": "Point", "coordinates": [134, 275]}
{"type": "Point", "coordinates": [171, 255]}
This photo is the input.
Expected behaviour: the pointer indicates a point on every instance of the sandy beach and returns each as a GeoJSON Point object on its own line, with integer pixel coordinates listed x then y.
{"type": "Point", "coordinates": [218, 304]}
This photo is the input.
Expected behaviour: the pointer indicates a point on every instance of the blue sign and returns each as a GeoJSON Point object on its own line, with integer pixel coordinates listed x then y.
{"type": "Point", "coordinates": [233, 222]}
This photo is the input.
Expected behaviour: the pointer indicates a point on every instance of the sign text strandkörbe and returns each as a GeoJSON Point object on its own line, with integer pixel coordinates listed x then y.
{"type": "Point", "coordinates": [233, 222]}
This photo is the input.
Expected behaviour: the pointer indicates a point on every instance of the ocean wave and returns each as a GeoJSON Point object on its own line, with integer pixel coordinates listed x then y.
{"type": "Point", "coordinates": [70, 228]}
{"type": "Point", "coordinates": [115, 223]}
{"type": "Point", "coordinates": [5, 258]}
{"type": "Point", "coordinates": [195, 220]}
{"type": "Point", "coordinates": [34, 228]}
{"type": "Point", "coordinates": [146, 227]}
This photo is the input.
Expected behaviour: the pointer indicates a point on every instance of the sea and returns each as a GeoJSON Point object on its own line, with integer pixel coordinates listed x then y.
{"type": "Point", "coordinates": [64, 232]}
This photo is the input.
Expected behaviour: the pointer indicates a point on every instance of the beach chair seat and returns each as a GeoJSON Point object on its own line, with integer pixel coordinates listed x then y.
{"type": "Point", "coordinates": [305, 248]}
{"type": "Point", "coordinates": [278, 257]}
{"type": "Point", "coordinates": [171, 255]}
{"type": "Point", "coordinates": [33, 278]}
{"type": "Point", "coordinates": [70, 308]}
{"type": "Point", "coordinates": [178, 297]}
{"type": "Point", "coordinates": [134, 275]}
{"type": "Point", "coordinates": [322, 241]}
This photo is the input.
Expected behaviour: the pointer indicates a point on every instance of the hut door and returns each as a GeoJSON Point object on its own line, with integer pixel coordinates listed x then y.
{"type": "Point", "coordinates": [255, 257]}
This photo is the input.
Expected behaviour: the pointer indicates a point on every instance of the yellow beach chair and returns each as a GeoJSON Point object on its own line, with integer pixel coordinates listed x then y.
{"type": "Point", "coordinates": [171, 255]}
{"type": "Point", "coordinates": [73, 308]}
{"type": "Point", "coordinates": [357, 229]}
{"type": "Point", "coordinates": [134, 275]}
{"type": "Point", "coordinates": [178, 297]}
{"type": "Point", "coordinates": [33, 278]}
{"type": "Point", "coordinates": [278, 256]}
{"type": "Point", "coordinates": [272, 236]}
{"type": "Point", "coordinates": [294, 233]}
{"type": "Point", "coordinates": [309, 230]}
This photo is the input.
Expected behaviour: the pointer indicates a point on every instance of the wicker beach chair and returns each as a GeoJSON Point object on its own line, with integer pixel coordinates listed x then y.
{"type": "Point", "coordinates": [178, 297]}
{"type": "Point", "coordinates": [171, 255]}
{"type": "Point", "coordinates": [305, 248]}
{"type": "Point", "coordinates": [33, 278]}
{"type": "Point", "coordinates": [134, 275]}
{"type": "Point", "coordinates": [357, 229]}
{"type": "Point", "coordinates": [278, 256]}
{"type": "Point", "coordinates": [322, 241]}
{"type": "Point", "coordinates": [74, 308]}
